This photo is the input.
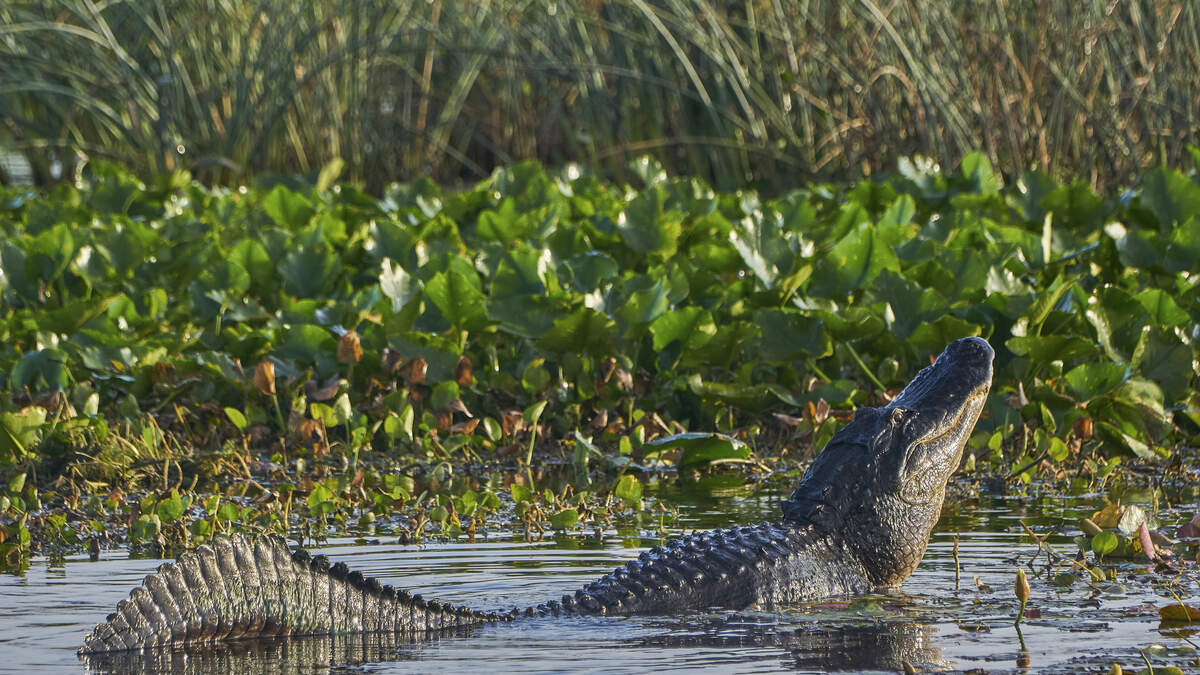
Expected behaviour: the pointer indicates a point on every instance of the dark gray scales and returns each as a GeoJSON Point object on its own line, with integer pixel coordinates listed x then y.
{"type": "Point", "coordinates": [860, 519]}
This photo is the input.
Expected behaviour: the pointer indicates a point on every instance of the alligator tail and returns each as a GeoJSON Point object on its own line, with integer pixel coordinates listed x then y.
{"type": "Point", "coordinates": [254, 587]}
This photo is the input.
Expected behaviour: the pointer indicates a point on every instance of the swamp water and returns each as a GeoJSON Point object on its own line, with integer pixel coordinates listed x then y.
{"type": "Point", "coordinates": [931, 623]}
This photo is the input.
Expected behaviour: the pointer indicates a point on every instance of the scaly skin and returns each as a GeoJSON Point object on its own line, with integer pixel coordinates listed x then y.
{"type": "Point", "coordinates": [860, 519]}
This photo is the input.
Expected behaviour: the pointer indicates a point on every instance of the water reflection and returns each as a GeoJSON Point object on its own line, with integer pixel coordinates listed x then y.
{"type": "Point", "coordinates": [879, 645]}
{"type": "Point", "coordinates": [874, 646]}
{"type": "Point", "coordinates": [279, 655]}
{"type": "Point", "coordinates": [931, 624]}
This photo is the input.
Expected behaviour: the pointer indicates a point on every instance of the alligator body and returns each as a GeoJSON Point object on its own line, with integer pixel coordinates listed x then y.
{"type": "Point", "coordinates": [860, 519]}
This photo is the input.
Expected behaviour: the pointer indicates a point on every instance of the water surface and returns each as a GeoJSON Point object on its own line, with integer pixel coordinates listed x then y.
{"type": "Point", "coordinates": [935, 622]}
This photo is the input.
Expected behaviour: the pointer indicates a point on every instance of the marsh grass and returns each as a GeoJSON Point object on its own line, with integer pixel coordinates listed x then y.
{"type": "Point", "coordinates": [761, 92]}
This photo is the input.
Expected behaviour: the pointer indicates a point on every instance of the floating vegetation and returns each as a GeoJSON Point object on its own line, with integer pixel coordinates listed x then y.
{"type": "Point", "coordinates": [298, 356]}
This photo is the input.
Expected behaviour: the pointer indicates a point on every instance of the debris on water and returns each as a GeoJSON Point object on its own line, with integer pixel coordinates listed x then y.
{"type": "Point", "coordinates": [1179, 612]}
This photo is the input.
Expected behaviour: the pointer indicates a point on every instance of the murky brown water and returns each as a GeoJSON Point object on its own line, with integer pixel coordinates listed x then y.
{"type": "Point", "coordinates": [931, 623]}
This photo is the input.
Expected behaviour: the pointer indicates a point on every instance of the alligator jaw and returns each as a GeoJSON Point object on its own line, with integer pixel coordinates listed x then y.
{"type": "Point", "coordinates": [879, 484]}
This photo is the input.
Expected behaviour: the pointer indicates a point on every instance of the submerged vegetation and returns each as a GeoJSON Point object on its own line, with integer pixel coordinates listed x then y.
{"type": "Point", "coordinates": [178, 360]}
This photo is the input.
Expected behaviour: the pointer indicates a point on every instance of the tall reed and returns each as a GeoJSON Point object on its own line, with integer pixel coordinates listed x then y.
{"type": "Point", "coordinates": [765, 92]}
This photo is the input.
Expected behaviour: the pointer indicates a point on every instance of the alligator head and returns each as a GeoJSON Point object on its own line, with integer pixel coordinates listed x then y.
{"type": "Point", "coordinates": [878, 485]}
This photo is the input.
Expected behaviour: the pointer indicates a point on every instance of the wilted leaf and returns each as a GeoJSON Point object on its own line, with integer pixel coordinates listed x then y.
{"type": "Point", "coordinates": [1179, 612]}
{"type": "Point", "coordinates": [349, 350]}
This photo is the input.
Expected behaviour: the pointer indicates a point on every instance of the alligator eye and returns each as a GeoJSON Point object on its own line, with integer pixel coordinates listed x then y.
{"type": "Point", "coordinates": [898, 415]}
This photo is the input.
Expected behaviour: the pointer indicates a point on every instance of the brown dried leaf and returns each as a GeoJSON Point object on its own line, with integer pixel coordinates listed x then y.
{"type": "Point", "coordinates": [817, 412]}
{"type": "Point", "coordinates": [309, 430]}
{"type": "Point", "coordinates": [389, 361]}
{"type": "Point", "coordinates": [413, 370]}
{"type": "Point", "coordinates": [462, 372]}
{"type": "Point", "coordinates": [513, 422]}
{"type": "Point", "coordinates": [624, 380]}
{"type": "Point", "coordinates": [1108, 516]}
{"type": "Point", "coordinates": [600, 421]}
{"type": "Point", "coordinates": [606, 369]}
{"type": "Point", "coordinates": [465, 427]}
{"type": "Point", "coordinates": [349, 350]}
{"type": "Point", "coordinates": [1179, 612]}
{"type": "Point", "coordinates": [1083, 427]}
{"type": "Point", "coordinates": [264, 377]}
{"type": "Point", "coordinates": [658, 423]}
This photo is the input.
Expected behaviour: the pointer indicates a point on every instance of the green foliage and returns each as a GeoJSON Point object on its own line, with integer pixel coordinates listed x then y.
{"type": "Point", "coordinates": [539, 310]}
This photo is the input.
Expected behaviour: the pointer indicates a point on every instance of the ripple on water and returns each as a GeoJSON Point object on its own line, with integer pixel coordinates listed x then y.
{"type": "Point", "coordinates": [930, 623]}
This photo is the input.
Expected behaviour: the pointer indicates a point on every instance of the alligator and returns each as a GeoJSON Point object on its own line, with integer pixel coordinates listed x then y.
{"type": "Point", "coordinates": [859, 520]}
